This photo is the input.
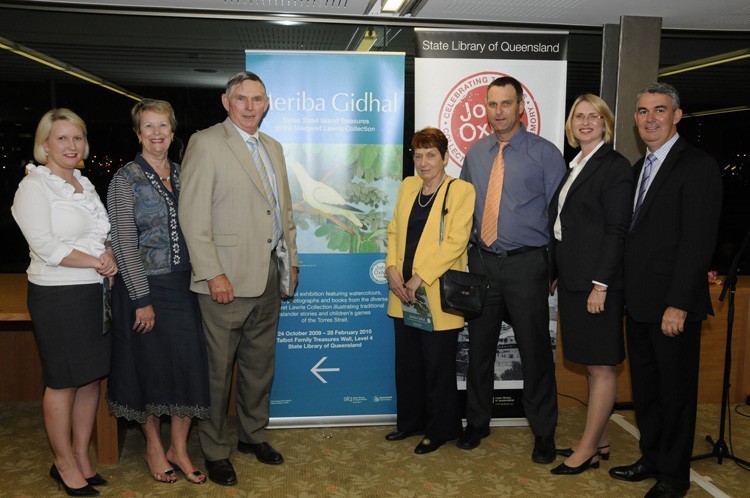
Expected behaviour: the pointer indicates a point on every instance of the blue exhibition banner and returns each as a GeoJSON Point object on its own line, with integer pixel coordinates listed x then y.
{"type": "Point", "coordinates": [339, 117]}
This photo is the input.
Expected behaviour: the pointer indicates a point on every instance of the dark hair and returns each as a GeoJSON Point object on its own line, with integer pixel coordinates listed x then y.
{"type": "Point", "coordinates": [238, 78]}
{"type": "Point", "coordinates": [664, 89]}
{"type": "Point", "coordinates": [429, 137]}
{"type": "Point", "coordinates": [508, 80]}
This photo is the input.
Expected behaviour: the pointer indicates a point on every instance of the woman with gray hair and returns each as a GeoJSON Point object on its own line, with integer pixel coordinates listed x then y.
{"type": "Point", "coordinates": [66, 227]}
{"type": "Point", "coordinates": [159, 364]}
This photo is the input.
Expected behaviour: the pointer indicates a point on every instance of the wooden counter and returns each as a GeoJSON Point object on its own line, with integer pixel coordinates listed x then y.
{"type": "Point", "coordinates": [571, 378]}
{"type": "Point", "coordinates": [20, 369]}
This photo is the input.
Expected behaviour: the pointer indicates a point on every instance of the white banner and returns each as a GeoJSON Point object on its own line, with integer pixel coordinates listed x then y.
{"type": "Point", "coordinates": [452, 70]}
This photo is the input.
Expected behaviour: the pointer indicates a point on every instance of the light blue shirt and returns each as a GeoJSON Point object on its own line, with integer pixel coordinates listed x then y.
{"type": "Point", "coordinates": [660, 154]}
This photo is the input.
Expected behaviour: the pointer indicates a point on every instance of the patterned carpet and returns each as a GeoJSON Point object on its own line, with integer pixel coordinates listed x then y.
{"type": "Point", "coordinates": [358, 462]}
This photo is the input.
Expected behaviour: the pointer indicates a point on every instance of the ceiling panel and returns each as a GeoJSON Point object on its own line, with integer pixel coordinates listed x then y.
{"type": "Point", "coordinates": [322, 7]}
{"type": "Point", "coordinates": [174, 51]}
{"type": "Point", "coordinates": [675, 14]}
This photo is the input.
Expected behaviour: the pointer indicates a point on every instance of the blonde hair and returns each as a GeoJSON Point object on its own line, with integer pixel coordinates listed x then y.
{"type": "Point", "coordinates": [601, 107]}
{"type": "Point", "coordinates": [45, 127]}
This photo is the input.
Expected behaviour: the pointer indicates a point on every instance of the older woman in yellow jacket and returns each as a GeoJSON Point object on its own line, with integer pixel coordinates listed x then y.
{"type": "Point", "coordinates": [427, 398]}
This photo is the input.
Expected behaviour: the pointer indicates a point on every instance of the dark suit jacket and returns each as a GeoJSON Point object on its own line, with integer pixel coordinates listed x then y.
{"type": "Point", "coordinates": [595, 220]}
{"type": "Point", "coordinates": [669, 249]}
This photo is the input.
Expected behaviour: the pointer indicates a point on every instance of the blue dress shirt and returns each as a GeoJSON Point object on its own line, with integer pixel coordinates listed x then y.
{"type": "Point", "coordinates": [534, 168]}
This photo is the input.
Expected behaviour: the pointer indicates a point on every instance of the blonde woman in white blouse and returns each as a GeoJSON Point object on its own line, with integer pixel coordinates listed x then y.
{"type": "Point", "coordinates": [66, 227]}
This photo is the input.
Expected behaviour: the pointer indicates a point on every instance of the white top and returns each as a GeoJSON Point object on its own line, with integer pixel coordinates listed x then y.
{"type": "Point", "coordinates": [55, 220]}
{"type": "Point", "coordinates": [576, 165]}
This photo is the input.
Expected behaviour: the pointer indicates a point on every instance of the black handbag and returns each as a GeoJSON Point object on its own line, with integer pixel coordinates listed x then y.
{"type": "Point", "coordinates": [461, 293]}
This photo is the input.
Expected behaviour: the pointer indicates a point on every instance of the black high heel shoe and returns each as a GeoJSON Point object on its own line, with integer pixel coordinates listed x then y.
{"type": "Point", "coordinates": [96, 480]}
{"type": "Point", "coordinates": [564, 470]}
{"type": "Point", "coordinates": [566, 452]}
{"type": "Point", "coordinates": [87, 490]}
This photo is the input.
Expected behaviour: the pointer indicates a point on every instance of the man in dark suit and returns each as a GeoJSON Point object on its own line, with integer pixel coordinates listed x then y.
{"type": "Point", "coordinates": [667, 254]}
{"type": "Point", "coordinates": [236, 214]}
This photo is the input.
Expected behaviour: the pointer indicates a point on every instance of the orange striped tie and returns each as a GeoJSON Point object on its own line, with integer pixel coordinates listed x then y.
{"type": "Point", "coordinates": [494, 194]}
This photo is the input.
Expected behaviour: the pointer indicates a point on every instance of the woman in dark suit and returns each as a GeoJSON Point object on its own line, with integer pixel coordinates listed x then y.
{"type": "Point", "coordinates": [427, 398]}
{"type": "Point", "coordinates": [589, 217]}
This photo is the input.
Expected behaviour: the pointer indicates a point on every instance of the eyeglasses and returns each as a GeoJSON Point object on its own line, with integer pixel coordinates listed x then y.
{"type": "Point", "coordinates": [580, 118]}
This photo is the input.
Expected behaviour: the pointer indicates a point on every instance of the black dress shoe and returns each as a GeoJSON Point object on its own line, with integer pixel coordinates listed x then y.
{"type": "Point", "coordinates": [544, 449]}
{"type": "Point", "coordinates": [221, 472]}
{"type": "Point", "coordinates": [471, 437]}
{"type": "Point", "coordinates": [633, 473]}
{"type": "Point", "coordinates": [96, 480]}
{"type": "Point", "coordinates": [664, 489]}
{"type": "Point", "coordinates": [399, 435]}
{"type": "Point", "coordinates": [264, 452]}
{"type": "Point", "coordinates": [428, 445]}
{"type": "Point", "coordinates": [563, 470]}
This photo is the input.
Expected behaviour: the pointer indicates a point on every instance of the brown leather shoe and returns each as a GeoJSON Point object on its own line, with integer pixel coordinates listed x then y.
{"type": "Point", "coordinates": [264, 452]}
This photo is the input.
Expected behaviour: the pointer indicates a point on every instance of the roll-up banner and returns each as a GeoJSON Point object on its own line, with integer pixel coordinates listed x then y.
{"type": "Point", "coordinates": [452, 70]}
{"type": "Point", "coordinates": [339, 117]}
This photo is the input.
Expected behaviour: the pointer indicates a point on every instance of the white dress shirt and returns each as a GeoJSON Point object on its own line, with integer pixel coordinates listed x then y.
{"type": "Point", "coordinates": [56, 220]}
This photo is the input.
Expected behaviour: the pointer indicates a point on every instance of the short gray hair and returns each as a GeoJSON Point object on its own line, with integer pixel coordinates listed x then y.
{"type": "Point", "coordinates": [238, 78]}
{"type": "Point", "coordinates": [664, 89]}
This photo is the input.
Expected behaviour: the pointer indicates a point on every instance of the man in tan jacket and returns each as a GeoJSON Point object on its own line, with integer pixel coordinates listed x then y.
{"type": "Point", "coordinates": [236, 213]}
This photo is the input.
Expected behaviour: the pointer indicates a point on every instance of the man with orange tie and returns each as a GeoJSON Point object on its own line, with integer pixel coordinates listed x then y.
{"type": "Point", "coordinates": [515, 174]}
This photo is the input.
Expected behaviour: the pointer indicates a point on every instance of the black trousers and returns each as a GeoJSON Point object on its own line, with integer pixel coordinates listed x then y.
{"type": "Point", "coordinates": [426, 392]}
{"type": "Point", "coordinates": [664, 377]}
{"type": "Point", "coordinates": [519, 285]}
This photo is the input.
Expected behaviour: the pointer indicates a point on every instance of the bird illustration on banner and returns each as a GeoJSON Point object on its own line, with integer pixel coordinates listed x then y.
{"type": "Point", "coordinates": [324, 198]}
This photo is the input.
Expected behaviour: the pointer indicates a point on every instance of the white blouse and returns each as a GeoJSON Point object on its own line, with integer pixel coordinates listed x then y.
{"type": "Point", "coordinates": [55, 220]}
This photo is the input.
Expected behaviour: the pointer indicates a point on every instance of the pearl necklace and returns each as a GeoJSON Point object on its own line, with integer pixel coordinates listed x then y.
{"type": "Point", "coordinates": [419, 196]}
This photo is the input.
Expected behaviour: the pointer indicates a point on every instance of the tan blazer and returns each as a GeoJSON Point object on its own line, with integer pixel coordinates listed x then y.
{"type": "Point", "coordinates": [224, 213]}
{"type": "Point", "coordinates": [432, 259]}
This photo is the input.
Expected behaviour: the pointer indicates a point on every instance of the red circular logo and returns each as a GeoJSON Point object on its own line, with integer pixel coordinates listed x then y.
{"type": "Point", "coordinates": [463, 115]}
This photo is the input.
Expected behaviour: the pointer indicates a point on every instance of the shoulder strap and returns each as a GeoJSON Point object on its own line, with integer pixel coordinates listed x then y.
{"type": "Point", "coordinates": [444, 211]}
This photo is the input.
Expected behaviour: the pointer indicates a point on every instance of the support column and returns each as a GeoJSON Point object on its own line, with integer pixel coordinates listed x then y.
{"type": "Point", "coordinates": [630, 61]}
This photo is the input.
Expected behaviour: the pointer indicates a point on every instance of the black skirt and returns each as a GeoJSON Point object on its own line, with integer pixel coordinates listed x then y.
{"type": "Point", "coordinates": [164, 371]}
{"type": "Point", "coordinates": [68, 326]}
{"type": "Point", "coordinates": [591, 339]}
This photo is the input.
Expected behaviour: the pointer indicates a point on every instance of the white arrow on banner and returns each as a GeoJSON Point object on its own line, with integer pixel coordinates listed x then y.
{"type": "Point", "coordinates": [315, 370]}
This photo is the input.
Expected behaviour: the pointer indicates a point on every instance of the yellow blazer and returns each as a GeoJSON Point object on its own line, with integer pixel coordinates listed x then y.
{"type": "Point", "coordinates": [432, 259]}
